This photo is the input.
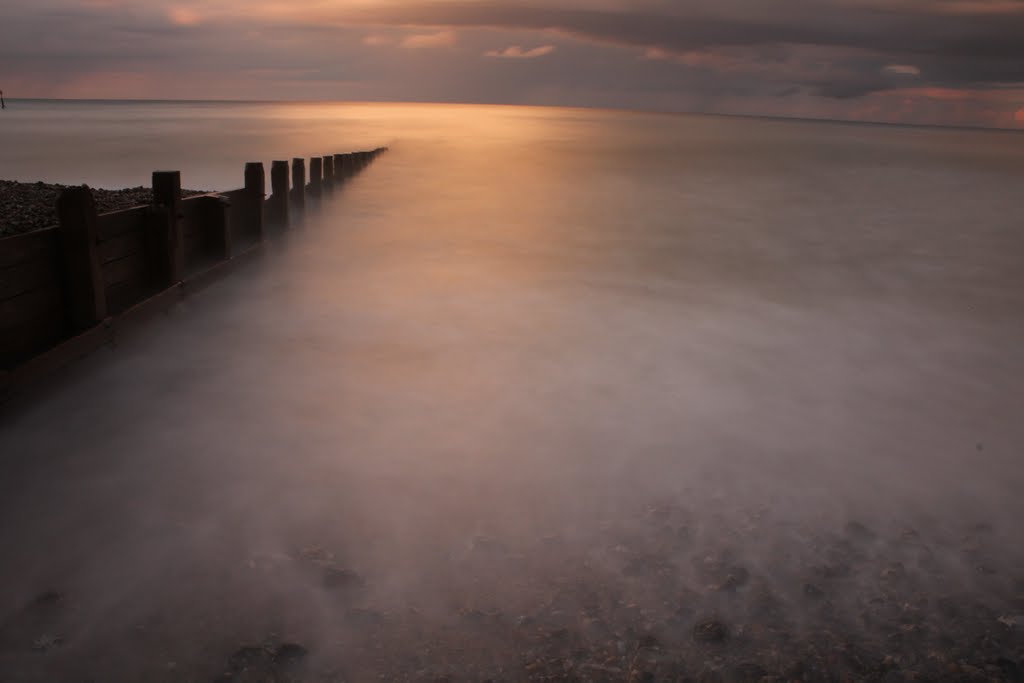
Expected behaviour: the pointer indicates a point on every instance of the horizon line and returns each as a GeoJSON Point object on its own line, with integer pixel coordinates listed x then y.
{"type": "Point", "coordinates": [658, 112]}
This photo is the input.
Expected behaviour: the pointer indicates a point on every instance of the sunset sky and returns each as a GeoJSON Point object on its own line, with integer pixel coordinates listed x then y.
{"type": "Point", "coordinates": [958, 62]}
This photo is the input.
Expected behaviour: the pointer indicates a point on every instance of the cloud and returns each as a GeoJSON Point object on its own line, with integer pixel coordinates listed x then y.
{"type": "Point", "coordinates": [909, 26]}
{"type": "Point", "coordinates": [420, 41]}
{"type": "Point", "coordinates": [957, 43]}
{"type": "Point", "coordinates": [517, 52]}
{"type": "Point", "coordinates": [901, 70]}
{"type": "Point", "coordinates": [796, 56]}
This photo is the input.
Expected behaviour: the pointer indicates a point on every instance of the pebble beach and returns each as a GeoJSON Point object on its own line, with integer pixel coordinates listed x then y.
{"type": "Point", "coordinates": [33, 206]}
{"type": "Point", "coordinates": [662, 595]}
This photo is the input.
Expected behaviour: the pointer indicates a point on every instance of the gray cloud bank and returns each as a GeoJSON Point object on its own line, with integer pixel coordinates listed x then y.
{"type": "Point", "coordinates": [789, 56]}
{"type": "Point", "coordinates": [975, 44]}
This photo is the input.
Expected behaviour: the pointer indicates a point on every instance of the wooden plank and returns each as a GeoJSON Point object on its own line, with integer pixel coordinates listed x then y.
{"type": "Point", "coordinates": [191, 216]}
{"type": "Point", "coordinates": [217, 271]}
{"type": "Point", "coordinates": [217, 226]}
{"type": "Point", "coordinates": [195, 247]}
{"type": "Point", "coordinates": [298, 196]}
{"type": "Point", "coordinates": [30, 338]}
{"type": "Point", "coordinates": [131, 267]}
{"type": "Point", "coordinates": [256, 192]}
{"type": "Point", "coordinates": [35, 370]}
{"type": "Point", "coordinates": [28, 276]}
{"type": "Point", "coordinates": [124, 295]}
{"type": "Point", "coordinates": [84, 297]}
{"type": "Point", "coordinates": [168, 248]}
{"type": "Point", "coordinates": [34, 304]}
{"type": "Point", "coordinates": [149, 307]}
{"type": "Point", "coordinates": [120, 247]}
{"type": "Point", "coordinates": [316, 176]}
{"type": "Point", "coordinates": [241, 221]}
{"type": "Point", "coordinates": [17, 249]}
{"type": "Point", "coordinates": [277, 205]}
{"type": "Point", "coordinates": [117, 223]}
{"type": "Point", "coordinates": [205, 229]}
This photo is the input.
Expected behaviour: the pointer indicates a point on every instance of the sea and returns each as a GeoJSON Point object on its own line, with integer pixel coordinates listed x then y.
{"type": "Point", "coordinates": [516, 324]}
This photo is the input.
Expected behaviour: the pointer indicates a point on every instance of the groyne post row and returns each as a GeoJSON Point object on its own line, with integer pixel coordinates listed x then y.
{"type": "Point", "coordinates": [63, 290]}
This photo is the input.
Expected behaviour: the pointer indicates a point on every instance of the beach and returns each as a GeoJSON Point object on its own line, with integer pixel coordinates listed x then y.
{"type": "Point", "coordinates": [33, 206]}
{"type": "Point", "coordinates": [547, 395]}
{"type": "Point", "coordinates": [656, 596]}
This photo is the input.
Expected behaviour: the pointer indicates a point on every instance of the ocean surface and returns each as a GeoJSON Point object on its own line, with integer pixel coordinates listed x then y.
{"type": "Point", "coordinates": [523, 323]}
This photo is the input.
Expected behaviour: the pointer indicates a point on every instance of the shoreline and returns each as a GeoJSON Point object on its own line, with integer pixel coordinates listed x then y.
{"type": "Point", "coordinates": [659, 592]}
{"type": "Point", "coordinates": [30, 206]}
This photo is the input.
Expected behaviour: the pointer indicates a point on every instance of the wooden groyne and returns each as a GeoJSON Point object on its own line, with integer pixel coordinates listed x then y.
{"type": "Point", "coordinates": [65, 290]}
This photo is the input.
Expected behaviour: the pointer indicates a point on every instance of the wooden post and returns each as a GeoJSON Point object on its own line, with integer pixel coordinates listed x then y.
{"type": "Point", "coordinates": [214, 215]}
{"type": "Point", "coordinates": [316, 167]}
{"type": "Point", "coordinates": [256, 192]}
{"type": "Point", "coordinates": [166, 246]}
{"type": "Point", "coordinates": [299, 185]}
{"type": "Point", "coordinates": [277, 213]}
{"type": "Point", "coordinates": [84, 293]}
{"type": "Point", "coordinates": [328, 172]}
{"type": "Point", "coordinates": [339, 168]}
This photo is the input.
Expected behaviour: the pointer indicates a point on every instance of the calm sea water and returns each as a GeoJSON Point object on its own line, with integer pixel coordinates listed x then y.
{"type": "Point", "coordinates": [521, 322]}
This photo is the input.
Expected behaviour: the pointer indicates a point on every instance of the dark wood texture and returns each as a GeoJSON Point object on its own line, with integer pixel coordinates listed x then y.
{"type": "Point", "coordinates": [167, 247]}
{"type": "Point", "coordinates": [81, 277]}
{"type": "Point", "coordinates": [277, 206]}
{"type": "Point", "coordinates": [298, 203]}
{"type": "Point", "coordinates": [64, 290]}
{"type": "Point", "coordinates": [256, 189]}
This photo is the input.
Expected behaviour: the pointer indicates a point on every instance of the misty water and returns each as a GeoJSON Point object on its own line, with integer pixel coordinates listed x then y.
{"type": "Point", "coordinates": [539, 395]}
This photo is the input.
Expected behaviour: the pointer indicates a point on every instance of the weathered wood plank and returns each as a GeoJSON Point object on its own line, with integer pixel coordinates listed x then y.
{"type": "Point", "coordinates": [85, 301]}
{"type": "Point", "coordinates": [256, 192]}
{"type": "Point", "coordinates": [239, 213]}
{"type": "Point", "coordinates": [298, 196]}
{"type": "Point", "coordinates": [130, 267]}
{"type": "Point", "coordinates": [167, 247]}
{"type": "Point", "coordinates": [194, 213]}
{"type": "Point", "coordinates": [36, 369]}
{"type": "Point", "coordinates": [316, 176]}
{"type": "Point", "coordinates": [126, 294]}
{"type": "Point", "coordinates": [195, 248]}
{"type": "Point", "coordinates": [28, 276]}
{"type": "Point", "coordinates": [30, 337]}
{"type": "Point", "coordinates": [29, 305]}
{"type": "Point", "coordinates": [120, 247]}
{"type": "Point", "coordinates": [18, 249]}
{"type": "Point", "coordinates": [118, 223]}
{"type": "Point", "coordinates": [277, 205]}
{"type": "Point", "coordinates": [217, 227]}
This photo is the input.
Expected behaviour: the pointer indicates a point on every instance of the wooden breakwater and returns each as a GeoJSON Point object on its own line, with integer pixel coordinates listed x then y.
{"type": "Point", "coordinates": [66, 290]}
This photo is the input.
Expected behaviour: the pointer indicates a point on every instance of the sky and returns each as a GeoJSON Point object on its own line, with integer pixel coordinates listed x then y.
{"type": "Point", "coordinates": [941, 62]}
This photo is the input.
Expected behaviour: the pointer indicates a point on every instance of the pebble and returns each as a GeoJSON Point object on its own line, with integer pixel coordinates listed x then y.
{"type": "Point", "coordinates": [25, 207]}
{"type": "Point", "coordinates": [710, 631]}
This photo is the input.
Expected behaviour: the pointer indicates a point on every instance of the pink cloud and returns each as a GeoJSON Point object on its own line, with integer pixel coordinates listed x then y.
{"type": "Point", "coordinates": [421, 41]}
{"type": "Point", "coordinates": [517, 52]}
